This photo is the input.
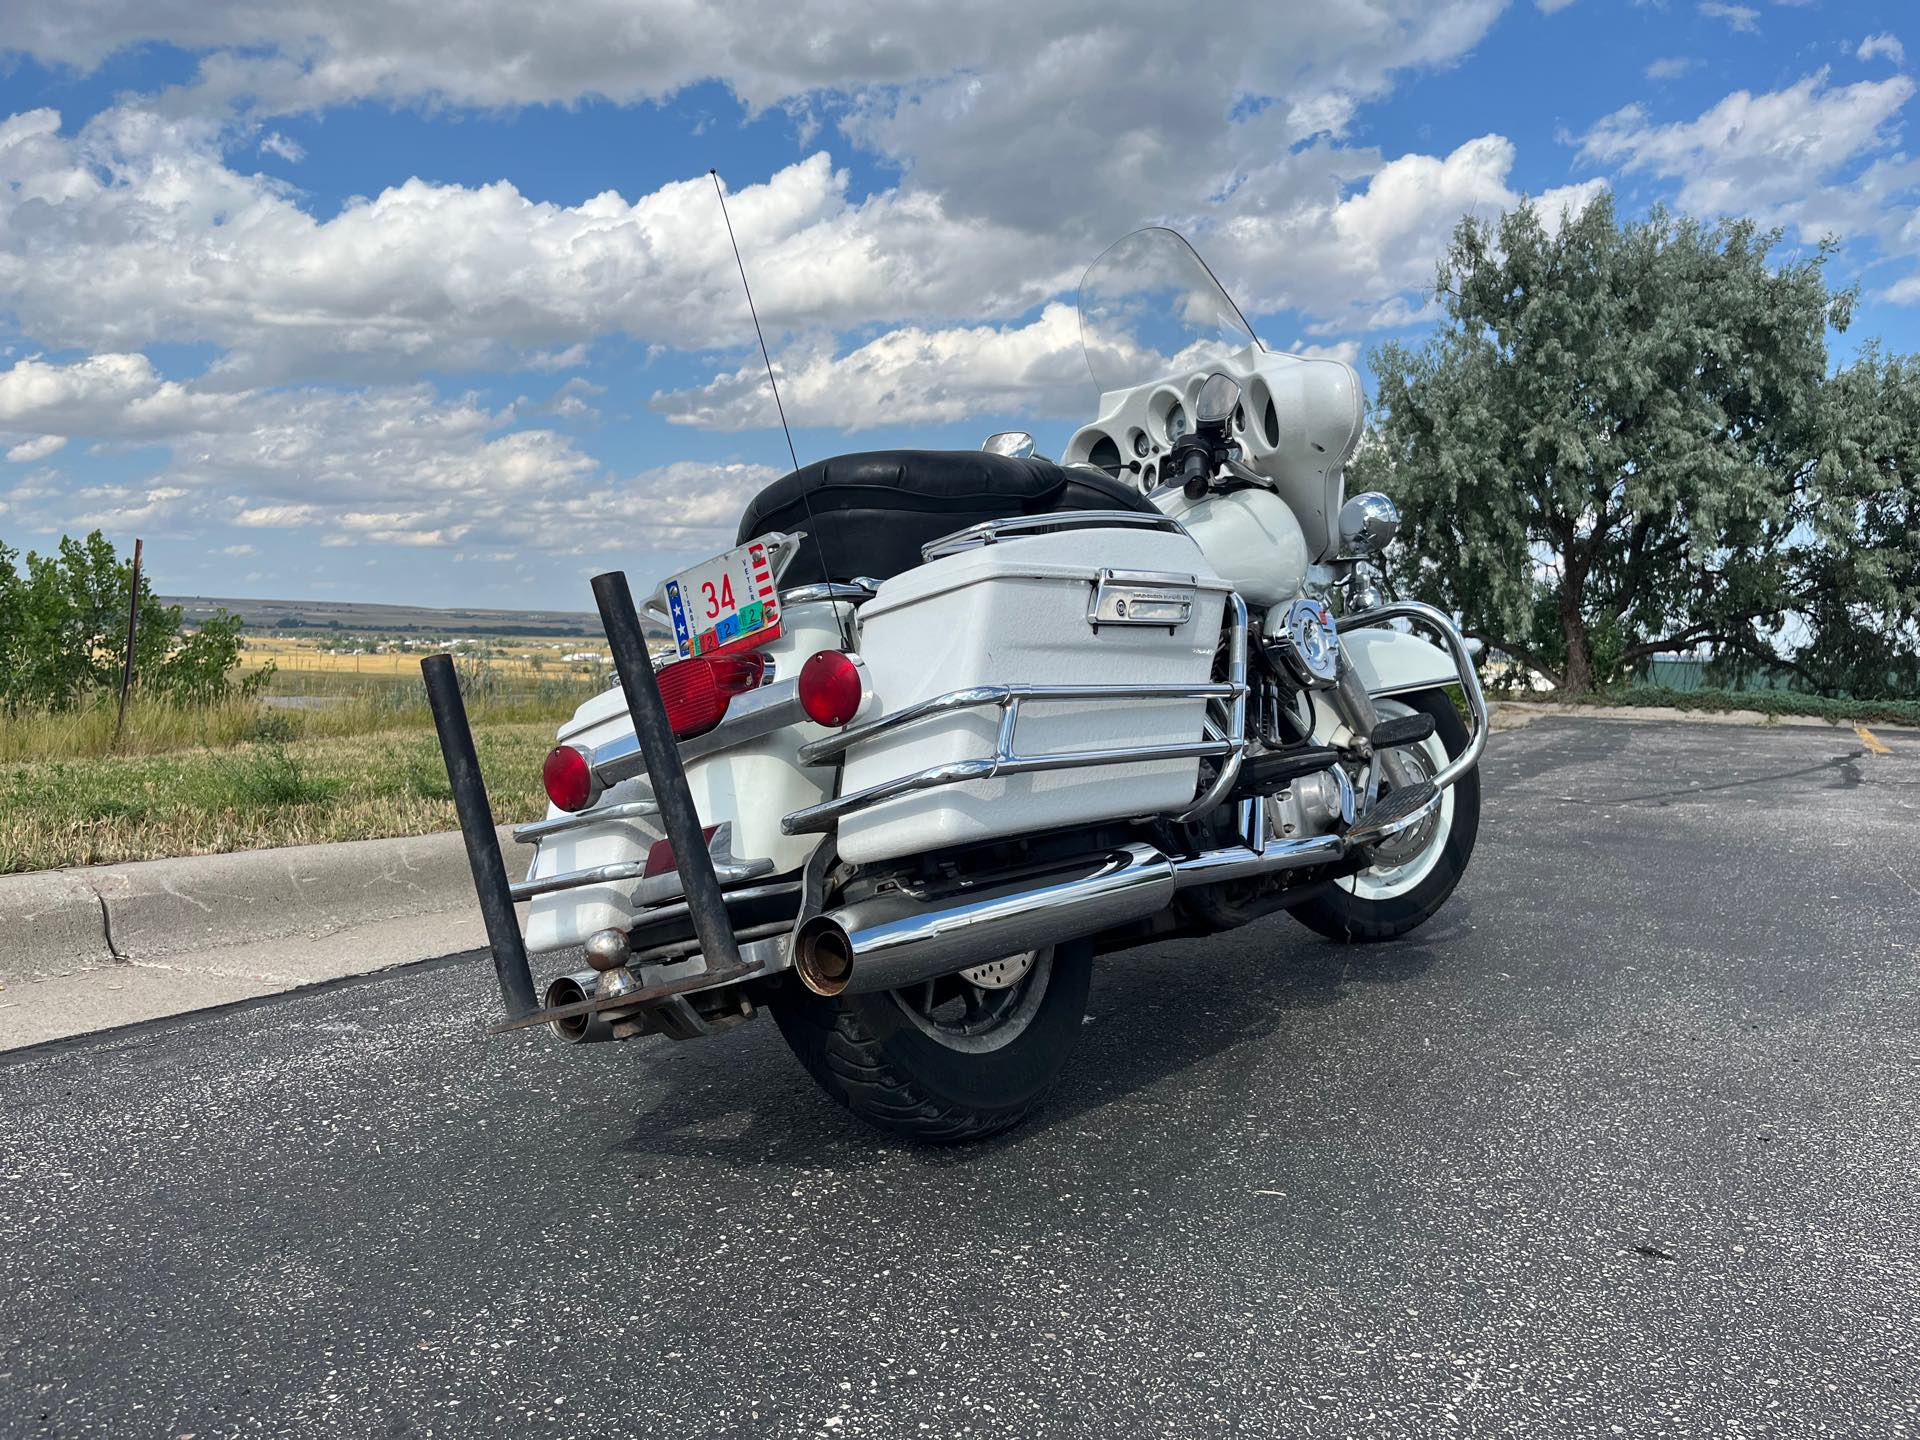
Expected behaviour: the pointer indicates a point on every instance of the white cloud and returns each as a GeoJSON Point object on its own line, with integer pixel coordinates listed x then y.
{"type": "Point", "coordinates": [1743, 18]}
{"type": "Point", "coordinates": [1349, 259]}
{"type": "Point", "coordinates": [1765, 154]}
{"type": "Point", "coordinates": [118, 395]}
{"type": "Point", "coordinates": [1885, 45]}
{"type": "Point", "coordinates": [906, 376]}
{"type": "Point", "coordinates": [292, 151]}
{"type": "Point", "coordinates": [389, 465]}
{"type": "Point", "coordinates": [1018, 164]}
{"type": "Point", "coordinates": [1669, 68]}
{"type": "Point", "coordinates": [135, 231]}
{"type": "Point", "coordinates": [386, 466]}
{"type": "Point", "coordinates": [1363, 251]}
{"type": "Point", "coordinates": [310, 54]}
{"type": "Point", "coordinates": [38, 448]}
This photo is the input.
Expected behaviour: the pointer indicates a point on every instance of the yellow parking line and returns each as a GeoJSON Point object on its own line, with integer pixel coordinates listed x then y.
{"type": "Point", "coordinates": [1870, 740]}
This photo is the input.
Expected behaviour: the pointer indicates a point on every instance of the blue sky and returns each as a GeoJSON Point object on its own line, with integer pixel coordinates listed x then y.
{"type": "Point", "coordinates": [433, 304]}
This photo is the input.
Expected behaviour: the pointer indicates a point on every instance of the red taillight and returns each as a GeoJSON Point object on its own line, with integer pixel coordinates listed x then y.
{"type": "Point", "coordinates": [831, 688]}
{"type": "Point", "coordinates": [698, 691]}
{"type": "Point", "coordinates": [568, 778]}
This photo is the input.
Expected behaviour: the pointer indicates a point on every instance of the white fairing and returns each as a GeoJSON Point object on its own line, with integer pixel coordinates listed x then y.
{"type": "Point", "coordinates": [1017, 613]}
{"type": "Point", "coordinates": [1250, 537]}
{"type": "Point", "coordinates": [1297, 424]}
{"type": "Point", "coordinates": [750, 786]}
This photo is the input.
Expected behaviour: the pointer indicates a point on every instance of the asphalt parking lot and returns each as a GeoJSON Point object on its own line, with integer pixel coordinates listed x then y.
{"type": "Point", "coordinates": [1626, 1142]}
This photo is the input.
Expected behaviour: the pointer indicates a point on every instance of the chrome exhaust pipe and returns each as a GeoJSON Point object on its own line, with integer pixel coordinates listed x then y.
{"type": "Point", "coordinates": [895, 940]}
{"type": "Point", "coordinates": [577, 1029]}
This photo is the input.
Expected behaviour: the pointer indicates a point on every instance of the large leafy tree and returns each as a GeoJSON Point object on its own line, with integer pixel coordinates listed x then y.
{"type": "Point", "coordinates": [1624, 440]}
{"type": "Point", "coordinates": [63, 624]}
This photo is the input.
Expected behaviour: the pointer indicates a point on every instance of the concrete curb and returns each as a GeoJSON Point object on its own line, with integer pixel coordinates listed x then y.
{"type": "Point", "coordinates": [1513, 714]}
{"type": "Point", "coordinates": [66, 922]}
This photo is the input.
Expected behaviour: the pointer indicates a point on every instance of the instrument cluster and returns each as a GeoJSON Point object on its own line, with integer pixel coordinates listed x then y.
{"type": "Point", "coordinates": [1297, 424]}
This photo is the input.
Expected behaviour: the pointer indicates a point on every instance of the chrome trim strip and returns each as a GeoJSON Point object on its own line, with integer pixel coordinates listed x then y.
{"type": "Point", "coordinates": [537, 830]}
{"type": "Point", "coordinates": [858, 590]}
{"type": "Point", "coordinates": [652, 890]}
{"type": "Point", "coordinates": [989, 532]}
{"type": "Point", "coordinates": [823, 815]}
{"type": "Point", "coordinates": [1462, 663]}
{"type": "Point", "coordinates": [1006, 696]}
{"type": "Point", "coordinates": [751, 716]}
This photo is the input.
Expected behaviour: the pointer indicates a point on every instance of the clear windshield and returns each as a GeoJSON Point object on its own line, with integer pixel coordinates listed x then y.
{"type": "Point", "coordinates": [1149, 306]}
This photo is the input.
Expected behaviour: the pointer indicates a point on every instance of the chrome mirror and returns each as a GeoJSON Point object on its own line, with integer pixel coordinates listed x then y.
{"type": "Point", "coordinates": [1017, 443]}
{"type": "Point", "coordinates": [1368, 523]}
{"type": "Point", "coordinates": [1218, 399]}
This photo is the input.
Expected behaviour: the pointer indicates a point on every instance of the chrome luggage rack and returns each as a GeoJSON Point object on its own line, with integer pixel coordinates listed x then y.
{"type": "Point", "coordinates": [1225, 738]}
{"type": "Point", "coordinates": [991, 532]}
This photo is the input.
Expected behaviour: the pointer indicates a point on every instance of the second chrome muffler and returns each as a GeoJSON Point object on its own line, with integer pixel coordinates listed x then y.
{"type": "Point", "coordinates": [899, 939]}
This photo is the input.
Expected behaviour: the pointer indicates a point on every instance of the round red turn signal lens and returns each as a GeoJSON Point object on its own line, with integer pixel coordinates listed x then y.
{"type": "Point", "coordinates": [568, 778]}
{"type": "Point", "coordinates": [831, 688]}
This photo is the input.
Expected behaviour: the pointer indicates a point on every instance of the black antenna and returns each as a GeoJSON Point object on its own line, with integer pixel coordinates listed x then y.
{"type": "Point", "coordinates": [806, 501]}
{"type": "Point", "coordinates": [720, 190]}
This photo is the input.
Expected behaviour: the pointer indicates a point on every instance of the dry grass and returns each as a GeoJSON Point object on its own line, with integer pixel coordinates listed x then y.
{"type": "Point", "coordinates": [254, 793]}
{"type": "Point", "coordinates": [514, 657]}
{"type": "Point", "coordinates": [357, 761]}
{"type": "Point", "coordinates": [340, 709]}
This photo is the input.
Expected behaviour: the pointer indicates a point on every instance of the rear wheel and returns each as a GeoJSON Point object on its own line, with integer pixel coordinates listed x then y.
{"type": "Point", "coordinates": [958, 1058]}
{"type": "Point", "coordinates": [1414, 872]}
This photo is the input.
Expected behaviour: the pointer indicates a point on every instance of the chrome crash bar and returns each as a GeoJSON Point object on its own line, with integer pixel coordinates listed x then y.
{"type": "Point", "coordinates": [1437, 621]}
{"type": "Point", "coordinates": [1227, 741]}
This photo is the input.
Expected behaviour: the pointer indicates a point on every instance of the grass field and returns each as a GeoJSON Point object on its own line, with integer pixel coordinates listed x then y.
{"type": "Point", "coordinates": [255, 793]}
{"type": "Point", "coordinates": [329, 752]}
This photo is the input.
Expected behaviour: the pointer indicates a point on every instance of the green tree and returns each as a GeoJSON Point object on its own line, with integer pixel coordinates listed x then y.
{"type": "Point", "coordinates": [63, 626]}
{"type": "Point", "coordinates": [1624, 441]}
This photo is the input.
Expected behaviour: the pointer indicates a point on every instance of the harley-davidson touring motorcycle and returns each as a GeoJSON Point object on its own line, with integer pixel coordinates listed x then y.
{"type": "Point", "coordinates": [946, 726]}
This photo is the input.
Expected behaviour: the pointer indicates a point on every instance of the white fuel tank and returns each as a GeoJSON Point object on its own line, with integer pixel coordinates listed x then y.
{"type": "Point", "coordinates": [1250, 537]}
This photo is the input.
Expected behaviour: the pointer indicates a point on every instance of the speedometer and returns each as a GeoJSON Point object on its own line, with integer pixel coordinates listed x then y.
{"type": "Point", "coordinates": [1176, 423]}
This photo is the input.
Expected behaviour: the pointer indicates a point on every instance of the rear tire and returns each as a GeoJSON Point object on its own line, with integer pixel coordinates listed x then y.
{"type": "Point", "coordinates": [1375, 905]}
{"type": "Point", "coordinates": [889, 1060]}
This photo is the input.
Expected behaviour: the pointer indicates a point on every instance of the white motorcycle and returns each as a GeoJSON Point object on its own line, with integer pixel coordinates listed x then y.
{"type": "Point", "coordinates": [946, 725]}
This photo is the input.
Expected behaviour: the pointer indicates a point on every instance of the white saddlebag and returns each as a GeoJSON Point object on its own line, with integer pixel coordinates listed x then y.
{"type": "Point", "coordinates": [1017, 613]}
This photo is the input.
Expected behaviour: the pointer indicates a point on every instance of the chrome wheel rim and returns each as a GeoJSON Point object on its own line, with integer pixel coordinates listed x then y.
{"type": "Point", "coordinates": [1402, 862]}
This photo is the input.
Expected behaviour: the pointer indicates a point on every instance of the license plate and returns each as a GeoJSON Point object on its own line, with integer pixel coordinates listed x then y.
{"type": "Point", "coordinates": [727, 602]}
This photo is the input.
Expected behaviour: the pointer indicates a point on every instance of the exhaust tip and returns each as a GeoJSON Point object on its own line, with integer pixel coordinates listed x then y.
{"type": "Point", "coordinates": [574, 1028]}
{"type": "Point", "coordinates": [823, 957]}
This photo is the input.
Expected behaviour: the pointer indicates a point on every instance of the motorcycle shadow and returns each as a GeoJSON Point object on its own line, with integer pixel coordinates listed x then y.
{"type": "Point", "coordinates": [1153, 1014]}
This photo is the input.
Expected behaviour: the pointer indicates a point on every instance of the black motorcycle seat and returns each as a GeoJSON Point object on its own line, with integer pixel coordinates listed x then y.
{"type": "Point", "coordinates": [872, 512]}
